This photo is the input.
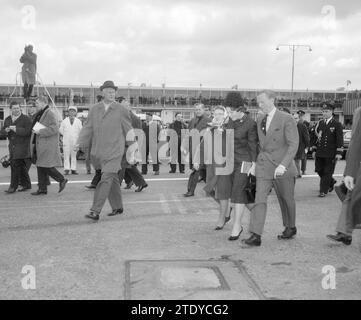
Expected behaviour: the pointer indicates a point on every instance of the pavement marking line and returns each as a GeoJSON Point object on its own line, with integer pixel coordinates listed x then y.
{"type": "Point", "coordinates": [163, 200]}
{"type": "Point", "coordinates": [159, 179]}
{"type": "Point", "coordinates": [164, 204]}
{"type": "Point", "coordinates": [178, 203]}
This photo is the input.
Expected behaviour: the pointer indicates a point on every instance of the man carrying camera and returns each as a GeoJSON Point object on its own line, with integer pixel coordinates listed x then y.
{"type": "Point", "coordinates": [28, 71]}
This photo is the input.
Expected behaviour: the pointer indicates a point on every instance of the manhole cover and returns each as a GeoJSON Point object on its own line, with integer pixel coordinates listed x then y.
{"type": "Point", "coordinates": [187, 279]}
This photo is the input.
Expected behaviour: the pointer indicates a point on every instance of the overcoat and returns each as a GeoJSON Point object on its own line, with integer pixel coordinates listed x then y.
{"type": "Point", "coordinates": [47, 142]}
{"type": "Point", "coordinates": [19, 141]}
{"type": "Point", "coordinates": [28, 71]}
{"type": "Point", "coordinates": [106, 131]}
{"type": "Point", "coordinates": [353, 169]}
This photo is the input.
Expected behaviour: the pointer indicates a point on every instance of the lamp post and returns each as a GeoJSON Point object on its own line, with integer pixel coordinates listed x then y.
{"type": "Point", "coordinates": [293, 48]}
{"type": "Point", "coordinates": [129, 84]}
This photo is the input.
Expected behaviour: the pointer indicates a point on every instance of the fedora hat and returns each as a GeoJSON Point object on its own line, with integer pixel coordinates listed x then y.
{"type": "Point", "coordinates": [108, 84]}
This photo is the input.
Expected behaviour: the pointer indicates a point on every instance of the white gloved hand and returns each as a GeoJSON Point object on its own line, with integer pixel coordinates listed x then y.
{"type": "Point", "coordinates": [349, 182]}
{"type": "Point", "coordinates": [280, 171]}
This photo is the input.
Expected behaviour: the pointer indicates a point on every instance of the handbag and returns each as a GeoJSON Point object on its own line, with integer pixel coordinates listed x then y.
{"type": "Point", "coordinates": [250, 188]}
{"type": "Point", "coordinates": [341, 191]}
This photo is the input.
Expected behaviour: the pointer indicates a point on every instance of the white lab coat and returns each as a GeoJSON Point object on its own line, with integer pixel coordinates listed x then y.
{"type": "Point", "coordinates": [70, 136]}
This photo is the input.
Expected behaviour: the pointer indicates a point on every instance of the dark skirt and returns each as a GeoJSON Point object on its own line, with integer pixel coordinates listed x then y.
{"type": "Point", "coordinates": [232, 187]}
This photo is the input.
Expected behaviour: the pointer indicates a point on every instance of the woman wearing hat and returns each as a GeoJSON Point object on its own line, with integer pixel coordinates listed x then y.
{"type": "Point", "coordinates": [230, 188]}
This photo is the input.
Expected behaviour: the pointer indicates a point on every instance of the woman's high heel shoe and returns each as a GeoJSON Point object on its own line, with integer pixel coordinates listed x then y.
{"type": "Point", "coordinates": [232, 238]}
{"type": "Point", "coordinates": [226, 219]}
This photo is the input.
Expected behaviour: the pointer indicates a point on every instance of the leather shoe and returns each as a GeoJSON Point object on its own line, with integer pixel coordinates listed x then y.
{"type": "Point", "coordinates": [115, 212]}
{"type": "Point", "coordinates": [62, 185]}
{"type": "Point", "coordinates": [91, 187]}
{"type": "Point", "coordinates": [171, 171]}
{"type": "Point", "coordinates": [23, 189]}
{"type": "Point", "coordinates": [10, 190]}
{"type": "Point", "coordinates": [92, 215]}
{"type": "Point", "coordinates": [254, 240]}
{"type": "Point", "coordinates": [129, 185]}
{"type": "Point", "coordinates": [189, 194]}
{"type": "Point", "coordinates": [322, 195]}
{"type": "Point", "coordinates": [288, 233]}
{"type": "Point", "coordinates": [332, 185]}
{"type": "Point", "coordinates": [38, 192]}
{"type": "Point", "coordinates": [140, 188]}
{"type": "Point", "coordinates": [74, 172]}
{"type": "Point", "coordinates": [232, 238]}
{"type": "Point", "coordinates": [340, 237]}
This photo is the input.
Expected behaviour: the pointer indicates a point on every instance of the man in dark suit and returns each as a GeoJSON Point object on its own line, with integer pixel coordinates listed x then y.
{"type": "Point", "coordinates": [350, 214]}
{"type": "Point", "coordinates": [199, 122]}
{"type": "Point", "coordinates": [327, 149]}
{"type": "Point", "coordinates": [151, 128]}
{"type": "Point", "coordinates": [304, 143]}
{"type": "Point", "coordinates": [18, 129]}
{"type": "Point", "coordinates": [278, 138]}
{"type": "Point", "coordinates": [302, 120]}
{"type": "Point", "coordinates": [178, 125]}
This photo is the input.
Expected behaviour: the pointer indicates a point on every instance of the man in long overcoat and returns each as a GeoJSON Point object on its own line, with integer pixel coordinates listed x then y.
{"type": "Point", "coordinates": [44, 146]}
{"type": "Point", "coordinates": [107, 127]}
{"type": "Point", "coordinates": [350, 215]}
{"type": "Point", "coordinates": [28, 71]}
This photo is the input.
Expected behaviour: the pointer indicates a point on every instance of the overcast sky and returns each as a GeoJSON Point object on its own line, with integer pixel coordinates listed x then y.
{"type": "Point", "coordinates": [185, 42]}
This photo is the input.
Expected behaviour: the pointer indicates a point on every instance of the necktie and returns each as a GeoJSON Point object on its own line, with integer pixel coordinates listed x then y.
{"type": "Point", "coordinates": [264, 124]}
{"type": "Point", "coordinates": [71, 121]}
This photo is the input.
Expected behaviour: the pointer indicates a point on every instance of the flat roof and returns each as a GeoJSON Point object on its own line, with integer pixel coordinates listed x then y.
{"type": "Point", "coordinates": [182, 88]}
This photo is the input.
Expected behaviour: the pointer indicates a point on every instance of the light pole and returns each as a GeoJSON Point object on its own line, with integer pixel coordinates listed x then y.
{"type": "Point", "coordinates": [293, 48]}
{"type": "Point", "coordinates": [129, 84]}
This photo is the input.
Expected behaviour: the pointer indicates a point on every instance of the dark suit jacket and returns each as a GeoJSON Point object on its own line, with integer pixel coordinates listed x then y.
{"type": "Point", "coordinates": [279, 146]}
{"type": "Point", "coordinates": [19, 141]}
{"type": "Point", "coordinates": [304, 141]}
{"type": "Point", "coordinates": [331, 141]}
{"type": "Point", "coordinates": [200, 124]}
{"type": "Point", "coordinates": [245, 140]}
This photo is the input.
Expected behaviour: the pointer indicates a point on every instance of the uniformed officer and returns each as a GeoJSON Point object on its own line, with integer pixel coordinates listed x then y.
{"type": "Point", "coordinates": [327, 148]}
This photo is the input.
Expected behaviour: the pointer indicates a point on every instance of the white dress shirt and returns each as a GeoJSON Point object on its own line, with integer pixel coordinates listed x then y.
{"type": "Point", "coordinates": [328, 120]}
{"type": "Point", "coordinates": [107, 106]}
{"type": "Point", "coordinates": [270, 117]}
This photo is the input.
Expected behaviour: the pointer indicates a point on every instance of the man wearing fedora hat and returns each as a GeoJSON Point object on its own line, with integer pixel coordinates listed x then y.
{"type": "Point", "coordinates": [105, 131]}
{"type": "Point", "coordinates": [70, 128]}
{"type": "Point", "coordinates": [327, 148]}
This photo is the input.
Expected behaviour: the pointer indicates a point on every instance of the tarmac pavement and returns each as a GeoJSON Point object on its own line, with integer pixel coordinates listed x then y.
{"type": "Point", "coordinates": [164, 246]}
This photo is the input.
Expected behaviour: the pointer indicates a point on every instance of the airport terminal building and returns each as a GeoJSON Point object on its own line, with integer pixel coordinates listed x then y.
{"type": "Point", "coordinates": [166, 101]}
